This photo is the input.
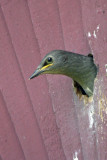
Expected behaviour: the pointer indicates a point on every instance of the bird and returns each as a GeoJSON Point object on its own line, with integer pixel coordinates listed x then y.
{"type": "Point", "coordinates": [81, 68]}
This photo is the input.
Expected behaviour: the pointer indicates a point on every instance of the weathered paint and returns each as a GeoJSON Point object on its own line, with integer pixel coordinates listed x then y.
{"type": "Point", "coordinates": [43, 118]}
{"type": "Point", "coordinates": [89, 34]}
{"type": "Point", "coordinates": [106, 68]}
{"type": "Point", "coordinates": [90, 114]}
{"type": "Point", "coordinates": [75, 156]}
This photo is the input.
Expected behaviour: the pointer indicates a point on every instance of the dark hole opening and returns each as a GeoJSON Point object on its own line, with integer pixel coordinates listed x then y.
{"type": "Point", "coordinates": [79, 89]}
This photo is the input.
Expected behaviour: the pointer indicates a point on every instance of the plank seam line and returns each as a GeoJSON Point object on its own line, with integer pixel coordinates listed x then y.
{"type": "Point", "coordinates": [96, 135]}
{"type": "Point", "coordinates": [45, 75]}
{"type": "Point", "coordinates": [23, 78]}
{"type": "Point", "coordinates": [12, 123]}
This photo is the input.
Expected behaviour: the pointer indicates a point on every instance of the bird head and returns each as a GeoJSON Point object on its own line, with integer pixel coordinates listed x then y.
{"type": "Point", "coordinates": [54, 62]}
{"type": "Point", "coordinates": [79, 67]}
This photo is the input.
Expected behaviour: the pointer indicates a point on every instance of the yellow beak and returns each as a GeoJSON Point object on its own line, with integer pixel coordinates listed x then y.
{"type": "Point", "coordinates": [39, 71]}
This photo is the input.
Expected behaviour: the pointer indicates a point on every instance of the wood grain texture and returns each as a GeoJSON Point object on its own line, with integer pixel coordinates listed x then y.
{"type": "Point", "coordinates": [43, 119]}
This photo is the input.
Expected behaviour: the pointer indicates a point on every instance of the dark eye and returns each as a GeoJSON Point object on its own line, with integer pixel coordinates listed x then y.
{"type": "Point", "coordinates": [49, 59]}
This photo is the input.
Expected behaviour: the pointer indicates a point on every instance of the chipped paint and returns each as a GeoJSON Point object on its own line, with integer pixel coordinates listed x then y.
{"type": "Point", "coordinates": [94, 34]}
{"type": "Point", "coordinates": [98, 27]}
{"type": "Point", "coordinates": [106, 68]}
{"type": "Point", "coordinates": [89, 34]}
{"type": "Point", "coordinates": [96, 30]}
{"type": "Point", "coordinates": [102, 103]}
{"type": "Point", "coordinates": [90, 114]}
{"type": "Point", "coordinates": [75, 156]}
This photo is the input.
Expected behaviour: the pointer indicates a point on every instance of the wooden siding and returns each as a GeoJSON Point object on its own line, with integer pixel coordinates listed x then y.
{"type": "Point", "coordinates": [43, 119]}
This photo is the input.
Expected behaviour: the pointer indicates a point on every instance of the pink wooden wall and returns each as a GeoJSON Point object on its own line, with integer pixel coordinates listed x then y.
{"type": "Point", "coordinates": [43, 119]}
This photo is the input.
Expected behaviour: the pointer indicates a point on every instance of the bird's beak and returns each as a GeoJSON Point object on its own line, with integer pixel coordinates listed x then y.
{"type": "Point", "coordinates": [39, 71]}
{"type": "Point", "coordinates": [36, 73]}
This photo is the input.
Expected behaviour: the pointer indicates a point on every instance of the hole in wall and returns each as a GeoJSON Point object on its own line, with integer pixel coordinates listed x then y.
{"type": "Point", "coordinates": [87, 88]}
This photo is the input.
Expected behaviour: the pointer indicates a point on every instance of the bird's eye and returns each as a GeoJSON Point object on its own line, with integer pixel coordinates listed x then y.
{"type": "Point", "coordinates": [49, 59]}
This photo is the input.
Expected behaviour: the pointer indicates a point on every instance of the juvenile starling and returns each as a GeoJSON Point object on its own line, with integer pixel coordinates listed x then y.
{"type": "Point", "coordinates": [80, 68]}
